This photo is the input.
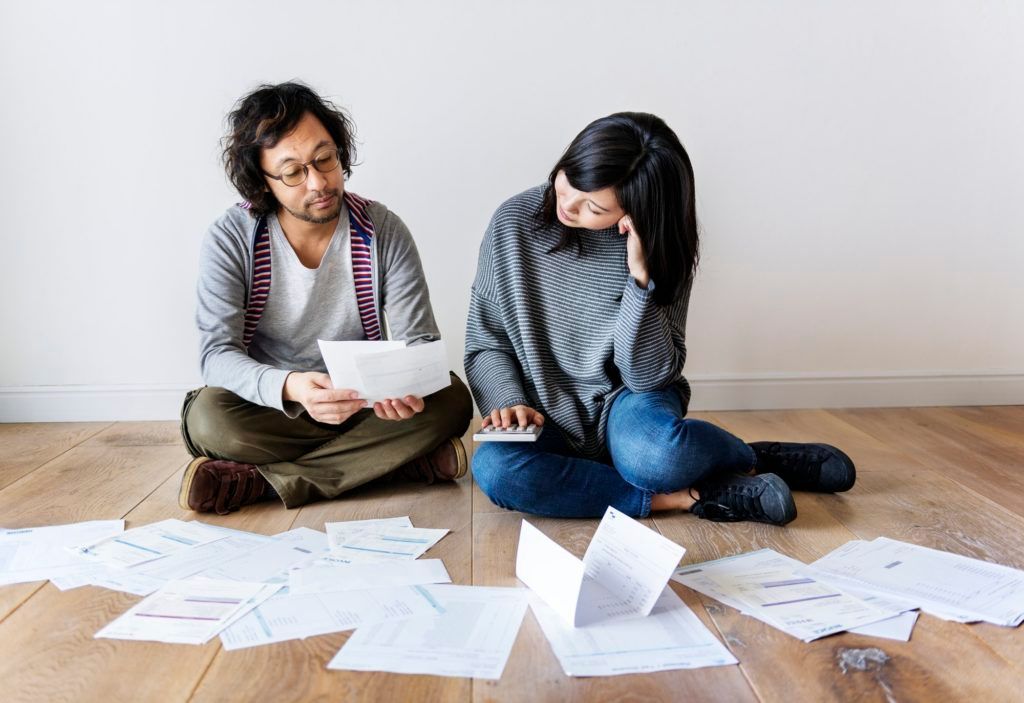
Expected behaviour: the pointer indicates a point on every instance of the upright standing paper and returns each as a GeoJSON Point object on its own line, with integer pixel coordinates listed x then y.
{"type": "Point", "coordinates": [622, 574]}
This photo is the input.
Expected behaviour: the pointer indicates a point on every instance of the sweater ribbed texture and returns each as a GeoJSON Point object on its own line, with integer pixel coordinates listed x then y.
{"type": "Point", "coordinates": [565, 332]}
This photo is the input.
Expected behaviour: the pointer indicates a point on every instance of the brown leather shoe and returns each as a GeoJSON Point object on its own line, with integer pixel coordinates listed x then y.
{"type": "Point", "coordinates": [447, 462]}
{"type": "Point", "coordinates": [216, 485]}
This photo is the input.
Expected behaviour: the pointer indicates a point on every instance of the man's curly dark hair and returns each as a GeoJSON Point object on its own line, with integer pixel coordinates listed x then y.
{"type": "Point", "coordinates": [259, 121]}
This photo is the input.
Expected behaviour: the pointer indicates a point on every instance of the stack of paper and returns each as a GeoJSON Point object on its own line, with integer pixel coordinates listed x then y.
{"type": "Point", "coordinates": [773, 588]}
{"type": "Point", "coordinates": [190, 611]}
{"type": "Point", "coordinates": [40, 553]}
{"type": "Point", "coordinates": [947, 585]}
{"type": "Point", "coordinates": [599, 614]}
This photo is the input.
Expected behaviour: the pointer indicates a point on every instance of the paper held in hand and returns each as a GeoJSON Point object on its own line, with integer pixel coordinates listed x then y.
{"type": "Point", "coordinates": [381, 370]}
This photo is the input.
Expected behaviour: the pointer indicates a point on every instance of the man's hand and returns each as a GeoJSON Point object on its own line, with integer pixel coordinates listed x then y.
{"type": "Point", "coordinates": [506, 417]}
{"type": "Point", "coordinates": [398, 409]}
{"type": "Point", "coordinates": [323, 402]}
{"type": "Point", "coordinates": [635, 258]}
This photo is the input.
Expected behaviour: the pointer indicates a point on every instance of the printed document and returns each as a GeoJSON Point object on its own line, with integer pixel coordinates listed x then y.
{"type": "Point", "coordinates": [671, 637]}
{"type": "Point", "coordinates": [772, 588]}
{"type": "Point", "coordinates": [188, 612]}
{"type": "Point", "coordinates": [271, 561]}
{"type": "Point", "coordinates": [41, 553]}
{"type": "Point", "coordinates": [941, 583]}
{"type": "Point", "coordinates": [472, 638]}
{"type": "Point", "coordinates": [381, 370]}
{"type": "Point", "coordinates": [622, 574]}
{"type": "Point", "coordinates": [290, 616]}
{"type": "Point", "coordinates": [383, 543]}
{"type": "Point", "coordinates": [149, 542]}
{"type": "Point", "coordinates": [326, 577]}
{"type": "Point", "coordinates": [339, 532]}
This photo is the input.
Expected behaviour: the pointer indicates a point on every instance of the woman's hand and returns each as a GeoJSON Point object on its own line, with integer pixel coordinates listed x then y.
{"type": "Point", "coordinates": [506, 417]}
{"type": "Point", "coordinates": [635, 258]}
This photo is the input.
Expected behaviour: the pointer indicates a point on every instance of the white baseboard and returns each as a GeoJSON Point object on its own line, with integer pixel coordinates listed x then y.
{"type": "Point", "coordinates": [710, 392]}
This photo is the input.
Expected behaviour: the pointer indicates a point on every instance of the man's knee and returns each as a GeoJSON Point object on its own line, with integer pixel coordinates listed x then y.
{"type": "Point", "coordinates": [210, 426]}
{"type": "Point", "coordinates": [450, 409]}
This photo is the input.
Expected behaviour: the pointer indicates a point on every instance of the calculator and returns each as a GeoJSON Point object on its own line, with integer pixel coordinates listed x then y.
{"type": "Point", "coordinates": [515, 433]}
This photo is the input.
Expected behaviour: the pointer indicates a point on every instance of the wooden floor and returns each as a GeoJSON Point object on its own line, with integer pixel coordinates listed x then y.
{"type": "Point", "coordinates": [950, 478]}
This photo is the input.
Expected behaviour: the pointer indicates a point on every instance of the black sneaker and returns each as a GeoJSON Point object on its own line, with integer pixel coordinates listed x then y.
{"type": "Point", "coordinates": [764, 498]}
{"type": "Point", "coordinates": [806, 467]}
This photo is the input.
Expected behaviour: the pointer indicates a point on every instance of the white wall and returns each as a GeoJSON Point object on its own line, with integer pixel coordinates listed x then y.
{"type": "Point", "coordinates": [859, 170]}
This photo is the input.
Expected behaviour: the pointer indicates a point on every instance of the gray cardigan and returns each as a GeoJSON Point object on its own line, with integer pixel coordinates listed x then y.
{"type": "Point", "coordinates": [225, 274]}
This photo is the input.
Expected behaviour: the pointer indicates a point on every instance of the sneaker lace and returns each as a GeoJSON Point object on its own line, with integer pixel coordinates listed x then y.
{"type": "Point", "coordinates": [804, 461]}
{"type": "Point", "coordinates": [727, 504]}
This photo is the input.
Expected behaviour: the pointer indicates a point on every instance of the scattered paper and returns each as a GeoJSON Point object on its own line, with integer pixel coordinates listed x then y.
{"type": "Point", "coordinates": [622, 574]}
{"type": "Point", "coordinates": [323, 578]}
{"type": "Point", "coordinates": [191, 611]}
{"type": "Point", "coordinates": [671, 637]}
{"type": "Point", "coordinates": [472, 638]}
{"type": "Point", "coordinates": [271, 561]}
{"type": "Point", "coordinates": [774, 589]}
{"type": "Point", "coordinates": [291, 616]}
{"type": "Point", "coordinates": [149, 542]}
{"type": "Point", "coordinates": [947, 585]}
{"type": "Point", "coordinates": [897, 628]}
{"type": "Point", "coordinates": [41, 553]}
{"type": "Point", "coordinates": [383, 543]}
{"type": "Point", "coordinates": [339, 532]}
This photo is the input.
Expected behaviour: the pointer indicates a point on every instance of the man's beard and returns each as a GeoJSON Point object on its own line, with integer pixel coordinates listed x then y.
{"type": "Point", "coordinates": [305, 216]}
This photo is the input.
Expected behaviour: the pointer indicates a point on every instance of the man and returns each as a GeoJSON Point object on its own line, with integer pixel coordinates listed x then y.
{"type": "Point", "coordinates": [304, 259]}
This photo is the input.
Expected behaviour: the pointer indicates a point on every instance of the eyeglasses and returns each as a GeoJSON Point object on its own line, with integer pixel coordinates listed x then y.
{"type": "Point", "coordinates": [295, 174]}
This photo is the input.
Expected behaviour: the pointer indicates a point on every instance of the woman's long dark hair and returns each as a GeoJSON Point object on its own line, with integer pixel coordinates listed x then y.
{"type": "Point", "coordinates": [642, 159]}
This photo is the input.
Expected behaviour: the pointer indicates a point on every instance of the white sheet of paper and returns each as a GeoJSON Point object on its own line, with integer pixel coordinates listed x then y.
{"type": "Point", "coordinates": [898, 627]}
{"type": "Point", "coordinates": [622, 574]}
{"type": "Point", "coordinates": [385, 542]}
{"type": "Point", "coordinates": [40, 553]}
{"type": "Point", "coordinates": [671, 637]}
{"type": "Point", "coordinates": [945, 584]}
{"type": "Point", "coordinates": [323, 578]}
{"type": "Point", "coordinates": [289, 617]}
{"type": "Point", "coordinates": [149, 542]}
{"type": "Point", "coordinates": [417, 370]}
{"type": "Point", "coordinates": [776, 590]}
{"type": "Point", "coordinates": [339, 357]}
{"type": "Point", "coordinates": [190, 611]}
{"type": "Point", "coordinates": [472, 638]}
{"type": "Point", "coordinates": [271, 561]}
{"type": "Point", "coordinates": [339, 532]}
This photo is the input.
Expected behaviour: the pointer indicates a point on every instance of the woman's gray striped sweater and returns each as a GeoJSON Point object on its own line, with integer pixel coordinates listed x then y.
{"type": "Point", "coordinates": [565, 332]}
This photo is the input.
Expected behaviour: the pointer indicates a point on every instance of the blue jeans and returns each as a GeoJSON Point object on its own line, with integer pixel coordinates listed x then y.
{"type": "Point", "coordinates": [654, 448]}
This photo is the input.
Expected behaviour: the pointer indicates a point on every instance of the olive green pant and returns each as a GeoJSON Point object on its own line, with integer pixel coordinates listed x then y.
{"type": "Point", "coordinates": [305, 460]}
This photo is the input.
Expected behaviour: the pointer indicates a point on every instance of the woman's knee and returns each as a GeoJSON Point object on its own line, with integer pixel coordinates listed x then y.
{"type": "Point", "coordinates": [663, 457]}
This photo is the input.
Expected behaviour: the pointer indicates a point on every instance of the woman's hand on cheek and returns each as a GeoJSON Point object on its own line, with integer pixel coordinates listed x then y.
{"type": "Point", "coordinates": [635, 258]}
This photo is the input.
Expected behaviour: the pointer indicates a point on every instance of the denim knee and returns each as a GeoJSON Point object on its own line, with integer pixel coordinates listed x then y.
{"type": "Point", "coordinates": [669, 456]}
{"type": "Point", "coordinates": [489, 462]}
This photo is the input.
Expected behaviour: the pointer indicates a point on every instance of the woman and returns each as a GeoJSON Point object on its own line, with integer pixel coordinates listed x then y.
{"type": "Point", "coordinates": [577, 323]}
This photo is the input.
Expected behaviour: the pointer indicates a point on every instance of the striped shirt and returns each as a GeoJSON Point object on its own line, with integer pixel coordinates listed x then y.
{"type": "Point", "coordinates": [565, 332]}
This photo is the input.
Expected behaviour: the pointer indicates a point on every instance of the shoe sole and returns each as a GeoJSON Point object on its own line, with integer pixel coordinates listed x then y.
{"type": "Point", "coordinates": [461, 459]}
{"type": "Point", "coordinates": [186, 481]}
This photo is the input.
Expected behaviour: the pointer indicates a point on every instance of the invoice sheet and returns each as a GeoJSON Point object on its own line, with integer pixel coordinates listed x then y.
{"type": "Point", "coordinates": [189, 611]}
{"type": "Point", "coordinates": [899, 627]}
{"type": "Point", "coordinates": [940, 582]}
{"type": "Point", "coordinates": [271, 561]}
{"type": "Point", "coordinates": [771, 587]}
{"type": "Point", "coordinates": [149, 542]}
{"type": "Point", "coordinates": [322, 578]}
{"type": "Point", "coordinates": [418, 370]}
{"type": "Point", "coordinates": [339, 532]}
{"type": "Point", "coordinates": [671, 637]}
{"type": "Point", "coordinates": [622, 574]}
{"type": "Point", "coordinates": [472, 638]}
{"type": "Point", "coordinates": [383, 543]}
{"type": "Point", "coordinates": [148, 577]}
{"type": "Point", "coordinates": [290, 616]}
{"type": "Point", "coordinates": [40, 553]}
